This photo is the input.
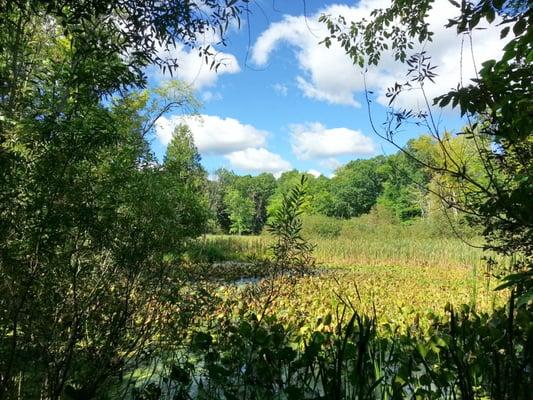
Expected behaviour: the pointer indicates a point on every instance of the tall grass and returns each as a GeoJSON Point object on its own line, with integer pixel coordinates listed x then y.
{"type": "Point", "coordinates": [362, 244]}
{"type": "Point", "coordinates": [397, 250]}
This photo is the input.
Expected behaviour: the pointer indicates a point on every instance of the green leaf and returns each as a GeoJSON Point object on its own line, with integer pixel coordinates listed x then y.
{"type": "Point", "coordinates": [422, 349]}
{"type": "Point", "coordinates": [201, 340]}
{"type": "Point", "coordinates": [245, 329]}
{"type": "Point", "coordinates": [524, 299]}
{"type": "Point", "coordinates": [520, 26]}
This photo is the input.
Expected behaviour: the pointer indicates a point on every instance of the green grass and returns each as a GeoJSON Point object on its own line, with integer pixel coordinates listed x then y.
{"type": "Point", "coordinates": [396, 249]}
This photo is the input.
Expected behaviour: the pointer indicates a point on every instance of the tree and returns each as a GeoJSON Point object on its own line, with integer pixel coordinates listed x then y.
{"type": "Point", "coordinates": [182, 158]}
{"type": "Point", "coordinates": [184, 175]}
{"type": "Point", "coordinates": [284, 184]}
{"type": "Point", "coordinates": [126, 35]}
{"type": "Point", "coordinates": [87, 218]}
{"type": "Point", "coordinates": [217, 189]}
{"type": "Point", "coordinates": [322, 198]}
{"type": "Point", "coordinates": [240, 210]}
{"type": "Point", "coordinates": [292, 253]}
{"type": "Point", "coordinates": [258, 189]}
{"type": "Point", "coordinates": [405, 187]}
{"type": "Point", "coordinates": [356, 187]}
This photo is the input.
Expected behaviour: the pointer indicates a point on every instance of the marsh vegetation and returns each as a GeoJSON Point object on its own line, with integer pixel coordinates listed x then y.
{"type": "Point", "coordinates": [127, 275]}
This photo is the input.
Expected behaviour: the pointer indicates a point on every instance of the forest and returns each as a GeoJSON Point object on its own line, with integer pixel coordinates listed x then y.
{"type": "Point", "coordinates": [125, 274]}
{"type": "Point", "coordinates": [395, 185]}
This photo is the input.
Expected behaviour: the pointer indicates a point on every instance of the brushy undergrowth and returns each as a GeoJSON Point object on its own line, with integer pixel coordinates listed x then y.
{"type": "Point", "coordinates": [362, 333]}
{"type": "Point", "coordinates": [467, 355]}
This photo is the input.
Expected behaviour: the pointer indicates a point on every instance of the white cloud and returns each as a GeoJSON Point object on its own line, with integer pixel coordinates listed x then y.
{"type": "Point", "coordinates": [211, 96]}
{"type": "Point", "coordinates": [192, 68]}
{"type": "Point", "coordinates": [212, 134]}
{"type": "Point", "coordinates": [281, 89]}
{"type": "Point", "coordinates": [258, 160]}
{"type": "Point", "coordinates": [330, 94]}
{"type": "Point", "coordinates": [330, 163]}
{"type": "Point", "coordinates": [329, 75]}
{"type": "Point", "coordinates": [314, 172]}
{"type": "Point", "coordinates": [242, 144]}
{"type": "Point", "coordinates": [314, 140]}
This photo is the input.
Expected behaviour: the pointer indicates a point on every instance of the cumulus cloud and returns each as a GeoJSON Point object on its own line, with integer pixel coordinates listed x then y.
{"type": "Point", "coordinates": [212, 134]}
{"type": "Point", "coordinates": [242, 144]}
{"type": "Point", "coordinates": [192, 68]}
{"type": "Point", "coordinates": [314, 172]}
{"type": "Point", "coordinates": [314, 140]}
{"type": "Point", "coordinates": [330, 163]}
{"type": "Point", "coordinates": [258, 160]}
{"type": "Point", "coordinates": [329, 75]}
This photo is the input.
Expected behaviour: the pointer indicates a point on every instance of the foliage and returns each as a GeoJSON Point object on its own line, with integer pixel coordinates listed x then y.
{"type": "Point", "coordinates": [398, 182]}
{"type": "Point", "coordinates": [284, 184]}
{"type": "Point", "coordinates": [259, 189]}
{"type": "Point", "coordinates": [356, 187]}
{"type": "Point", "coordinates": [216, 190]}
{"type": "Point", "coordinates": [261, 345]}
{"type": "Point", "coordinates": [185, 178]}
{"type": "Point", "coordinates": [240, 211]}
{"type": "Point", "coordinates": [98, 272]}
{"type": "Point", "coordinates": [405, 190]}
{"type": "Point", "coordinates": [87, 216]}
{"type": "Point", "coordinates": [292, 253]}
{"type": "Point", "coordinates": [87, 225]}
{"type": "Point", "coordinates": [373, 239]}
{"type": "Point", "coordinates": [344, 355]}
{"type": "Point", "coordinates": [321, 227]}
{"type": "Point", "coordinates": [124, 35]}
{"type": "Point", "coordinates": [256, 190]}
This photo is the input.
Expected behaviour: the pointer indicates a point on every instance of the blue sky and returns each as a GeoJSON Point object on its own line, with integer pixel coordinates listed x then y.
{"type": "Point", "coordinates": [281, 100]}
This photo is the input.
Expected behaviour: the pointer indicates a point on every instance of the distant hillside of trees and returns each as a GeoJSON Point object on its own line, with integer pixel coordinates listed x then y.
{"type": "Point", "coordinates": [396, 183]}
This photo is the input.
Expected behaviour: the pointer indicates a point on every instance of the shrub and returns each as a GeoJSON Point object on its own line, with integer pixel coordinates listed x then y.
{"type": "Point", "coordinates": [320, 226]}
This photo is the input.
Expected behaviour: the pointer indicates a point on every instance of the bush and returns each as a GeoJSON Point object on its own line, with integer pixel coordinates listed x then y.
{"type": "Point", "coordinates": [207, 251]}
{"type": "Point", "coordinates": [320, 226]}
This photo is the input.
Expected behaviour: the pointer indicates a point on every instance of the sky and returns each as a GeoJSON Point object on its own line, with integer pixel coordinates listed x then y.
{"type": "Point", "coordinates": [281, 100]}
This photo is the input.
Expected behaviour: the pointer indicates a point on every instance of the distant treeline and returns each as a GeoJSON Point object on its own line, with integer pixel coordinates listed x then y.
{"type": "Point", "coordinates": [405, 186]}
